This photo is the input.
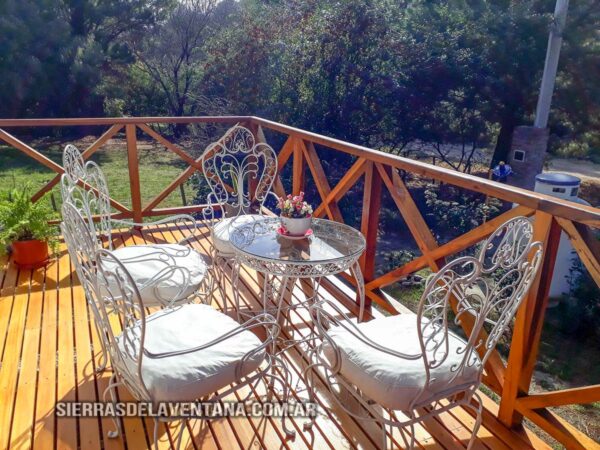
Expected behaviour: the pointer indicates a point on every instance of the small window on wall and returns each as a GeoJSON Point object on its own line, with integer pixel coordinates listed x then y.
{"type": "Point", "coordinates": [574, 192]}
{"type": "Point", "coordinates": [519, 155]}
{"type": "Point", "coordinates": [559, 190]}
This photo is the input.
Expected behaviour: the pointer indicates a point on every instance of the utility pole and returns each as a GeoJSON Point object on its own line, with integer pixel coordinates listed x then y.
{"type": "Point", "coordinates": [551, 65]}
{"type": "Point", "coordinates": [530, 143]}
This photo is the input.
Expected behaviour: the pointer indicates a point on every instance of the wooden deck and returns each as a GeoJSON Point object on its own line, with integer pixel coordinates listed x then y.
{"type": "Point", "coordinates": [49, 350]}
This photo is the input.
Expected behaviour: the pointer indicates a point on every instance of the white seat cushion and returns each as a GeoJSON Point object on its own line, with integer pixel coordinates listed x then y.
{"type": "Point", "coordinates": [145, 262]}
{"type": "Point", "coordinates": [221, 231]}
{"type": "Point", "coordinates": [389, 380]}
{"type": "Point", "coordinates": [194, 373]}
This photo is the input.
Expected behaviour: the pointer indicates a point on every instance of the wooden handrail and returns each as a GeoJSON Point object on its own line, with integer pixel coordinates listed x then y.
{"type": "Point", "coordinates": [380, 171]}
{"type": "Point", "coordinates": [511, 382]}
{"type": "Point", "coordinates": [535, 200]}
{"type": "Point", "coordinates": [99, 121]}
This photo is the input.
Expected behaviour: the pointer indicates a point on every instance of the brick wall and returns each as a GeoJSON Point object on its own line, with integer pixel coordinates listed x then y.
{"type": "Point", "coordinates": [533, 142]}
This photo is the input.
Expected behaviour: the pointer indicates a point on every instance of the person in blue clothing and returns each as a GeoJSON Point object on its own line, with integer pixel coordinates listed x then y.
{"type": "Point", "coordinates": [502, 171]}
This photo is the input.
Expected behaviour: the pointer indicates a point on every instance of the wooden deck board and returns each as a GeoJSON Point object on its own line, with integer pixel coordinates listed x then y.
{"type": "Point", "coordinates": [9, 377]}
{"type": "Point", "coordinates": [66, 387]}
{"type": "Point", "coordinates": [43, 427]}
{"type": "Point", "coordinates": [50, 350]}
{"type": "Point", "coordinates": [21, 432]}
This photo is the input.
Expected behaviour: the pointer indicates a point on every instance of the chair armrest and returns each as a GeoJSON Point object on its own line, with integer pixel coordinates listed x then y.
{"type": "Point", "coordinates": [212, 204]}
{"type": "Point", "coordinates": [174, 218]}
{"type": "Point", "coordinates": [170, 219]}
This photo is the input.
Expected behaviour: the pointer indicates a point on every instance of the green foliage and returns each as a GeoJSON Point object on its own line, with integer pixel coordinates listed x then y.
{"type": "Point", "coordinates": [458, 211]}
{"type": "Point", "coordinates": [22, 220]}
{"type": "Point", "coordinates": [56, 53]}
{"type": "Point", "coordinates": [587, 146]}
{"type": "Point", "coordinates": [397, 258]}
{"type": "Point", "coordinates": [383, 73]}
{"type": "Point", "coordinates": [580, 311]}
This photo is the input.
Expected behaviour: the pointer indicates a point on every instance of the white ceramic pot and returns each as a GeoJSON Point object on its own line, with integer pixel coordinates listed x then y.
{"type": "Point", "coordinates": [295, 226]}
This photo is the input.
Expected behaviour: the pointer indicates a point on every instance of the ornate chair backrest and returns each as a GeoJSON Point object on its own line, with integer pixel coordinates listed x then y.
{"type": "Point", "coordinates": [117, 294]}
{"type": "Point", "coordinates": [487, 289]}
{"type": "Point", "coordinates": [84, 186]}
{"type": "Point", "coordinates": [233, 164]}
{"type": "Point", "coordinates": [81, 244]}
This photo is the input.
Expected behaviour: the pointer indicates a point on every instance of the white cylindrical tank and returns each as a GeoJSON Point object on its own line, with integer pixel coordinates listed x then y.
{"type": "Point", "coordinates": [566, 187]}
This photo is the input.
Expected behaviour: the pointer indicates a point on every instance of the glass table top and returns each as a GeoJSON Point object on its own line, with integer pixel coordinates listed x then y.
{"type": "Point", "coordinates": [329, 242]}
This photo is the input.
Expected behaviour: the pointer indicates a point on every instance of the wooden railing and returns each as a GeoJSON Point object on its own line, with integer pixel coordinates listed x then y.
{"type": "Point", "coordinates": [551, 216]}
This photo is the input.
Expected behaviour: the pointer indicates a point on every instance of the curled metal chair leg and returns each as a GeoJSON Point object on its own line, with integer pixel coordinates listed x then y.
{"type": "Point", "coordinates": [477, 409]}
{"type": "Point", "coordinates": [220, 263]}
{"type": "Point", "coordinates": [180, 437]}
{"type": "Point", "coordinates": [112, 385]}
{"type": "Point", "coordinates": [155, 434]}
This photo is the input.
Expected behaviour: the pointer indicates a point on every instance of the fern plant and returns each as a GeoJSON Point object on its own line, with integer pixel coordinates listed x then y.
{"type": "Point", "coordinates": [22, 220]}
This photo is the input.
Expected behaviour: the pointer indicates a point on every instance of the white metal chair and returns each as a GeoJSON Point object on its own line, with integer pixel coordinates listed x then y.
{"type": "Point", "coordinates": [240, 173]}
{"type": "Point", "coordinates": [166, 274]}
{"type": "Point", "coordinates": [406, 362]}
{"type": "Point", "coordinates": [183, 353]}
{"type": "Point", "coordinates": [82, 246]}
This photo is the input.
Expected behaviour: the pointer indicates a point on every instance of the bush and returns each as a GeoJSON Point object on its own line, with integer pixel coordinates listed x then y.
{"type": "Point", "coordinates": [397, 258]}
{"type": "Point", "coordinates": [457, 211]}
{"type": "Point", "coordinates": [587, 146]}
{"type": "Point", "coordinates": [580, 311]}
{"type": "Point", "coordinates": [574, 149]}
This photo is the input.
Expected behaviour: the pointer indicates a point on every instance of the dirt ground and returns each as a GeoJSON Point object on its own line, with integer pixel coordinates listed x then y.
{"type": "Point", "coordinates": [586, 170]}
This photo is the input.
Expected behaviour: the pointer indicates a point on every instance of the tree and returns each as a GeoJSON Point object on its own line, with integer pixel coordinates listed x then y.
{"type": "Point", "coordinates": [33, 41]}
{"type": "Point", "coordinates": [575, 116]}
{"type": "Point", "coordinates": [55, 53]}
{"type": "Point", "coordinates": [173, 52]}
{"type": "Point", "coordinates": [383, 73]}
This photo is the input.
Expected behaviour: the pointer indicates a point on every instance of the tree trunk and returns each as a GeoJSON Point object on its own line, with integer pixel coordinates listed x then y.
{"type": "Point", "coordinates": [504, 141]}
{"type": "Point", "coordinates": [179, 129]}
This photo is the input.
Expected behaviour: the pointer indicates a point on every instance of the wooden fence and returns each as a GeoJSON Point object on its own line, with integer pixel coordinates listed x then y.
{"type": "Point", "coordinates": [511, 380]}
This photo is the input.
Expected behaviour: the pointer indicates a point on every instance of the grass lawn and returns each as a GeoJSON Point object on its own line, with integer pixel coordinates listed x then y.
{"type": "Point", "coordinates": [158, 167]}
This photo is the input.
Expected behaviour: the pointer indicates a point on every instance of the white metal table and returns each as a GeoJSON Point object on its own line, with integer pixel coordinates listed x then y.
{"type": "Point", "coordinates": [331, 249]}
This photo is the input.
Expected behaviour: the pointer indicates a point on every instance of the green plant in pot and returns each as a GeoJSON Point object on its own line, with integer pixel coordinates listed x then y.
{"type": "Point", "coordinates": [24, 229]}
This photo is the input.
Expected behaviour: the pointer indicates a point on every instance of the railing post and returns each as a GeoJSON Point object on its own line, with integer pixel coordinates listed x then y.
{"type": "Point", "coordinates": [134, 173]}
{"type": "Point", "coordinates": [370, 219]}
{"type": "Point", "coordinates": [298, 177]}
{"type": "Point", "coordinates": [529, 322]}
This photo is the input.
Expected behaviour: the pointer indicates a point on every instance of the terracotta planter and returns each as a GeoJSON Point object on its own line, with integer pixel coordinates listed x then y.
{"type": "Point", "coordinates": [30, 254]}
{"type": "Point", "coordinates": [296, 227]}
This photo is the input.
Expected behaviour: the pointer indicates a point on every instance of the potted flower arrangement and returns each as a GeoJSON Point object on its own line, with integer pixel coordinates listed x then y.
{"type": "Point", "coordinates": [24, 228]}
{"type": "Point", "coordinates": [296, 214]}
